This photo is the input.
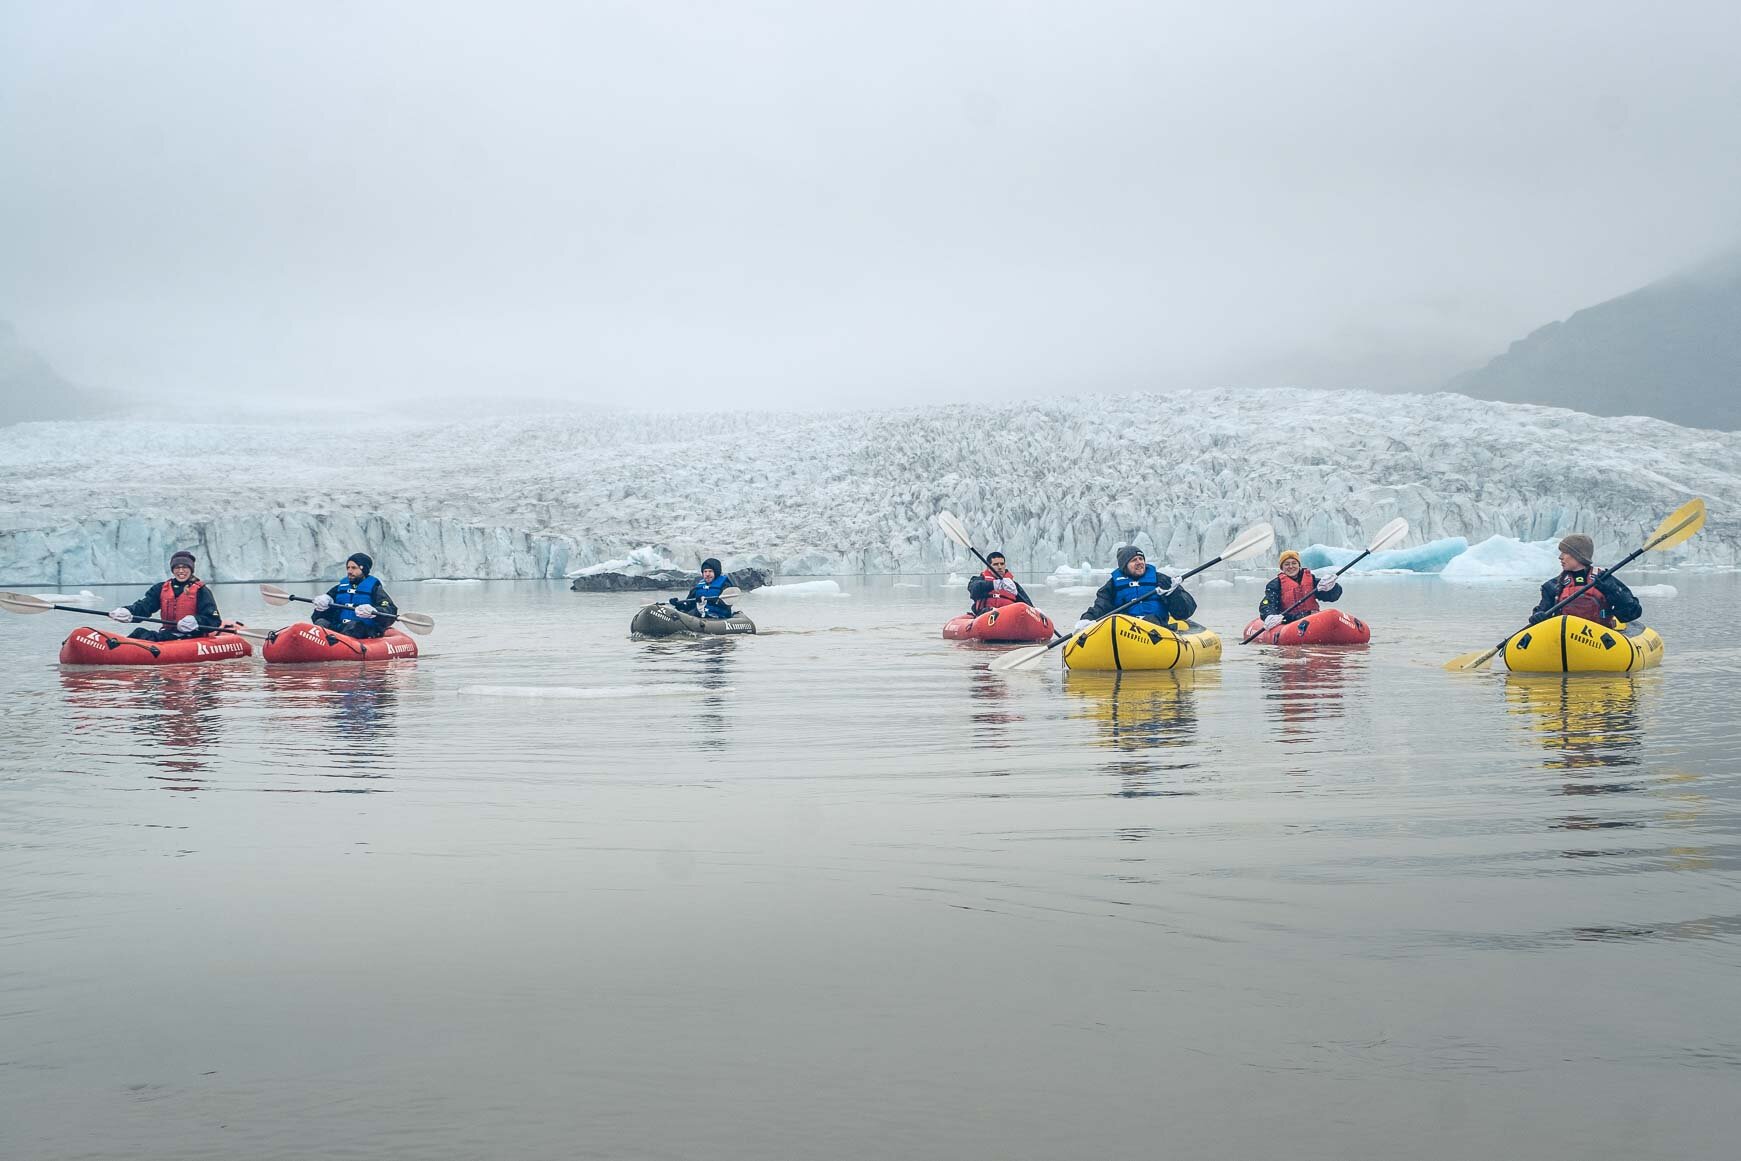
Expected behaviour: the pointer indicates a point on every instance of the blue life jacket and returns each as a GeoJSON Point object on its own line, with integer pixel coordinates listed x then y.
{"type": "Point", "coordinates": [706, 594]}
{"type": "Point", "coordinates": [348, 596]}
{"type": "Point", "coordinates": [1125, 589]}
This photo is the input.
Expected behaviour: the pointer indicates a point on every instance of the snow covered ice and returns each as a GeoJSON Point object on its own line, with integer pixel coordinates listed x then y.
{"type": "Point", "coordinates": [1052, 483]}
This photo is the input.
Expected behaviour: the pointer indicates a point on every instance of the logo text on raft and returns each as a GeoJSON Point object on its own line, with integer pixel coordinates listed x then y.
{"type": "Point", "coordinates": [219, 650]}
{"type": "Point", "coordinates": [394, 647]}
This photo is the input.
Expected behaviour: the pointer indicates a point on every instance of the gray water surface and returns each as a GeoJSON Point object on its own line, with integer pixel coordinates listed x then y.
{"type": "Point", "coordinates": [836, 891]}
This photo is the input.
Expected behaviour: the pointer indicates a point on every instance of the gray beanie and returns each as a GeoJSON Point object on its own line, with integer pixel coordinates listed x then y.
{"type": "Point", "coordinates": [181, 557]}
{"type": "Point", "coordinates": [1580, 546]}
{"type": "Point", "coordinates": [1128, 551]}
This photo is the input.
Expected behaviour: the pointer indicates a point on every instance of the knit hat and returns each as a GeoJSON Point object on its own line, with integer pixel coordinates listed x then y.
{"type": "Point", "coordinates": [181, 557]}
{"type": "Point", "coordinates": [1128, 551]}
{"type": "Point", "coordinates": [713, 563]}
{"type": "Point", "coordinates": [1288, 553]}
{"type": "Point", "coordinates": [1580, 546]}
{"type": "Point", "coordinates": [362, 560]}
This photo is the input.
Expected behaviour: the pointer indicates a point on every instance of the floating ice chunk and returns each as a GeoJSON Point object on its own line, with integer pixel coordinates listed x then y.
{"type": "Point", "coordinates": [640, 561]}
{"type": "Point", "coordinates": [1217, 583]}
{"type": "Point", "coordinates": [1076, 590]}
{"type": "Point", "coordinates": [585, 693]}
{"type": "Point", "coordinates": [1064, 575]}
{"type": "Point", "coordinates": [1505, 557]}
{"type": "Point", "coordinates": [907, 585]}
{"type": "Point", "coordinates": [83, 597]}
{"type": "Point", "coordinates": [1655, 592]}
{"type": "Point", "coordinates": [1432, 556]}
{"type": "Point", "coordinates": [443, 580]}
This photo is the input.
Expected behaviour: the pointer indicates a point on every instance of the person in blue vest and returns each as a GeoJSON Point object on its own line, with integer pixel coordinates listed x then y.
{"type": "Point", "coordinates": [1134, 578]}
{"type": "Point", "coordinates": [183, 601]}
{"type": "Point", "coordinates": [703, 600]}
{"type": "Point", "coordinates": [357, 606]}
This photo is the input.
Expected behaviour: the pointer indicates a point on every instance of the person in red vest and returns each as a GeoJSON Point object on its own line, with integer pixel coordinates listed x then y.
{"type": "Point", "coordinates": [995, 587]}
{"type": "Point", "coordinates": [1293, 582]}
{"type": "Point", "coordinates": [1609, 602]}
{"type": "Point", "coordinates": [183, 600]}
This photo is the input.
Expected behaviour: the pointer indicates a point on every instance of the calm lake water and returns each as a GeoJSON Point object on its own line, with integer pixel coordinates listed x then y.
{"type": "Point", "coordinates": [836, 891]}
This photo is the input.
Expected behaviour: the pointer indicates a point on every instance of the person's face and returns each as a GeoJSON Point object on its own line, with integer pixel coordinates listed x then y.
{"type": "Point", "coordinates": [997, 566]}
{"type": "Point", "coordinates": [181, 572]}
{"type": "Point", "coordinates": [707, 576]}
{"type": "Point", "coordinates": [353, 570]}
{"type": "Point", "coordinates": [1291, 567]}
{"type": "Point", "coordinates": [1136, 566]}
{"type": "Point", "coordinates": [1570, 563]}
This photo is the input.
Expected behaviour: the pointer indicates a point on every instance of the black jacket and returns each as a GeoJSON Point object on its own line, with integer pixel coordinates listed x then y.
{"type": "Point", "coordinates": [1179, 603]}
{"type": "Point", "coordinates": [1622, 605]}
{"type": "Point", "coordinates": [978, 589]}
{"type": "Point", "coordinates": [205, 606]}
{"type": "Point", "coordinates": [1272, 596]}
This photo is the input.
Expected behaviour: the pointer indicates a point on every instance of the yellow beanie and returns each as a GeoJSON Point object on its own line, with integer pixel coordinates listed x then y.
{"type": "Point", "coordinates": [1285, 555]}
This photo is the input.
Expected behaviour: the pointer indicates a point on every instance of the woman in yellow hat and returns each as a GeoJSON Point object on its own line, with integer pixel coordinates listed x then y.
{"type": "Point", "coordinates": [1295, 583]}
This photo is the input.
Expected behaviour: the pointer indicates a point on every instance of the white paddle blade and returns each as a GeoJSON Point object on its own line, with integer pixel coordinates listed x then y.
{"type": "Point", "coordinates": [1018, 658]}
{"type": "Point", "coordinates": [730, 594]}
{"type": "Point", "coordinates": [24, 603]}
{"type": "Point", "coordinates": [273, 595]}
{"type": "Point", "coordinates": [1389, 535]}
{"type": "Point", "coordinates": [1259, 538]}
{"type": "Point", "coordinates": [418, 623]}
{"type": "Point", "coordinates": [954, 529]}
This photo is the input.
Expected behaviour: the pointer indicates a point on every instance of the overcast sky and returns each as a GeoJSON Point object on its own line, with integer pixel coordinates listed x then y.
{"type": "Point", "coordinates": [836, 203]}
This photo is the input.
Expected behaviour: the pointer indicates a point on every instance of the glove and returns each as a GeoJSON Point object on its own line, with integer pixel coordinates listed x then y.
{"type": "Point", "coordinates": [365, 612]}
{"type": "Point", "coordinates": [1272, 620]}
{"type": "Point", "coordinates": [1169, 589]}
{"type": "Point", "coordinates": [1326, 582]}
{"type": "Point", "coordinates": [188, 624]}
{"type": "Point", "coordinates": [122, 615]}
{"type": "Point", "coordinates": [322, 603]}
{"type": "Point", "coordinates": [1084, 623]}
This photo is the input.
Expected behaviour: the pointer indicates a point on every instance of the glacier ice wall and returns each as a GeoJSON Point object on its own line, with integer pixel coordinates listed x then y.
{"type": "Point", "coordinates": [1051, 483]}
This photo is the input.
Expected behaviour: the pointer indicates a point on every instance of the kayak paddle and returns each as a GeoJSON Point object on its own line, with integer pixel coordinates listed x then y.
{"type": "Point", "coordinates": [1678, 527]}
{"type": "Point", "coordinates": [1387, 536]}
{"type": "Point", "coordinates": [25, 603]}
{"type": "Point", "coordinates": [1258, 538]}
{"type": "Point", "coordinates": [416, 622]}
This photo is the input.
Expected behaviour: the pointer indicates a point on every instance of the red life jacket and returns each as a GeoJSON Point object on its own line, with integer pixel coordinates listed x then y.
{"type": "Point", "coordinates": [1293, 588]}
{"type": "Point", "coordinates": [1591, 605]}
{"type": "Point", "coordinates": [1003, 594]}
{"type": "Point", "coordinates": [173, 608]}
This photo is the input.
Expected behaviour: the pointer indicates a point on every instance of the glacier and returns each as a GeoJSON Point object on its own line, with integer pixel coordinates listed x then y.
{"type": "Point", "coordinates": [1053, 483]}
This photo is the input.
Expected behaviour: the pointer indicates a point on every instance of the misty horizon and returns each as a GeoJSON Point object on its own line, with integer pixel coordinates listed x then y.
{"type": "Point", "coordinates": [764, 206]}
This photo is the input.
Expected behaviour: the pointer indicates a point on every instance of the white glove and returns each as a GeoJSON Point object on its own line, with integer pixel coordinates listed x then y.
{"type": "Point", "coordinates": [1272, 620]}
{"type": "Point", "coordinates": [1326, 582]}
{"type": "Point", "coordinates": [322, 603]}
{"type": "Point", "coordinates": [365, 612]}
{"type": "Point", "coordinates": [122, 615]}
{"type": "Point", "coordinates": [1084, 623]}
{"type": "Point", "coordinates": [188, 624]}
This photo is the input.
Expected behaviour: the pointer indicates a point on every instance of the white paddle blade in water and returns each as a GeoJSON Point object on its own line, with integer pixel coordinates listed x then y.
{"type": "Point", "coordinates": [25, 603]}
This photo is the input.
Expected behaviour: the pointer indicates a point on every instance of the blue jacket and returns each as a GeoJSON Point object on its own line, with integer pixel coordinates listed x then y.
{"type": "Point", "coordinates": [703, 600]}
{"type": "Point", "coordinates": [1120, 588]}
{"type": "Point", "coordinates": [347, 596]}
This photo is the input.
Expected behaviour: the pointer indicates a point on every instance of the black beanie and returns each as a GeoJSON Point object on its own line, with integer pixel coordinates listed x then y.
{"type": "Point", "coordinates": [713, 563]}
{"type": "Point", "coordinates": [996, 552]}
{"type": "Point", "coordinates": [1128, 551]}
{"type": "Point", "coordinates": [362, 561]}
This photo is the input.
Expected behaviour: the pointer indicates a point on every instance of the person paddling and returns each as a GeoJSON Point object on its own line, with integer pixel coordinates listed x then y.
{"type": "Point", "coordinates": [183, 601]}
{"type": "Point", "coordinates": [1290, 584]}
{"type": "Point", "coordinates": [995, 587]}
{"type": "Point", "coordinates": [1608, 602]}
{"type": "Point", "coordinates": [1134, 578]}
{"type": "Point", "coordinates": [357, 606]}
{"type": "Point", "coordinates": [703, 600]}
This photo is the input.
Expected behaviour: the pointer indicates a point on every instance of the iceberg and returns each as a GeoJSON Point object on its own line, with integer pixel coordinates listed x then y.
{"type": "Point", "coordinates": [1432, 556]}
{"type": "Point", "coordinates": [1505, 557]}
{"type": "Point", "coordinates": [808, 494]}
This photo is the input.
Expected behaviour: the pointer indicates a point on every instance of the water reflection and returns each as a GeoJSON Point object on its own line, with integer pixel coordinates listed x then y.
{"type": "Point", "coordinates": [989, 697]}
{"type": "Point", "coordinates": [708, 662]}
{"type": "Point", "coordinates": [1148, 719]}
{"type": "Point", "coordinates": [175, 713]}
{"type": "Point", "coordinates": [1303, 688]}
{"type": "Point", "coordinates": [353, 708]}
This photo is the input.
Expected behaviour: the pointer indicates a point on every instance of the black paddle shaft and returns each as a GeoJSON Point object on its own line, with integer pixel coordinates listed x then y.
{"type": "Point", "coordinates": [1582, 589]}
{"type": "Point", "coordinates": [388, 616]}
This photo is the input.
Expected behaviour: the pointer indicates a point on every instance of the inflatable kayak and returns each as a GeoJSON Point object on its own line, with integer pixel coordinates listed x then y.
{"type": "Point", "coordinates": [1012, 624]}
{"type": "Point", "coordinates": [307, 644]}
{"type": "Point", "coordinates": [1324, 627]}
{"type": "Point", "coordinates": [1573, 645]}
{"type": "Point", "coordinates": [665, 621]}
{"type": "Point", "coordinates": [96, 647]}
{"type": "Point", "coordinates": [1121, 642]}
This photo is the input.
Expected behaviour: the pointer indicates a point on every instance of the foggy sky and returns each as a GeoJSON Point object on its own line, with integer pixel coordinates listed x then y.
{"type": "Point", "coordinates": [841, 203]}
